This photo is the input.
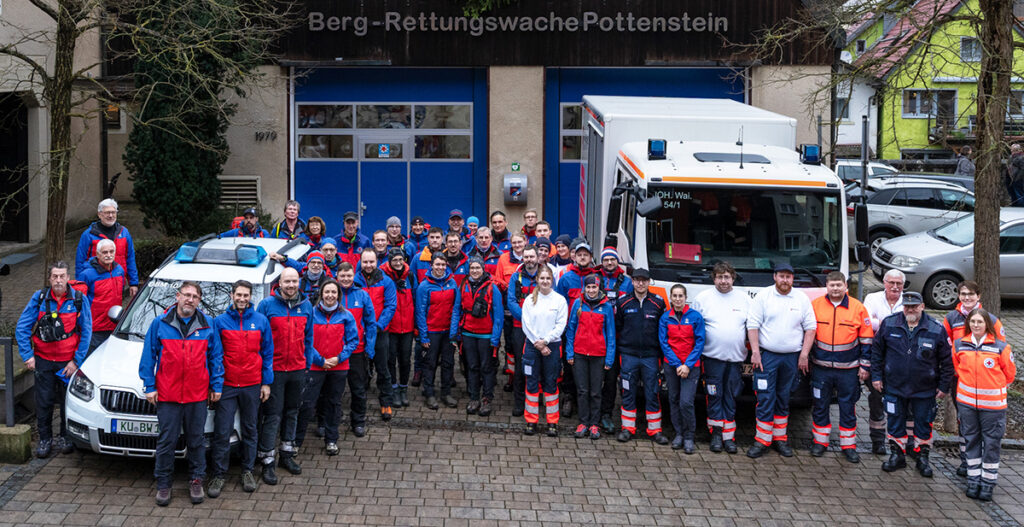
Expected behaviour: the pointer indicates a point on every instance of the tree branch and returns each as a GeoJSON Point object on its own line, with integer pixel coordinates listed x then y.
{"type": "Point", "coordinates": [38, 68]}
{"type": "Point", "coordinates": [42, 6]}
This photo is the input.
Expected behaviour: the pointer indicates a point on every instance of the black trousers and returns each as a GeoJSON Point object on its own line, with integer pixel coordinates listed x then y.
{"type": "Point", "coordinates": [50, 393]}
{"type": "Point", "coordinates": [610, 387]}
{"type": "Point", "coordinates": [481, 367]}
{"type": "Point", "coordinates": [518, 377]}
{"type": "Point", "coordinates": [280, 413]}
{"type": "Point", "coordinates": [357, 380]}
{"type": "Point", "coordinates": [589, 380]}
{"type": "Point", "coordinates": [331, 384]}
{"type": "Point", "coordinates": [440, 353]}
{"type": "Point", "coordinates": [399, 358]}
{"type": "Point", "coordinates": [381, 360]}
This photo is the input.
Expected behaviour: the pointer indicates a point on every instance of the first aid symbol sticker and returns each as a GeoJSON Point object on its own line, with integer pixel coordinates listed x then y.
{"type": "Point", "coordinates": [384, 150]}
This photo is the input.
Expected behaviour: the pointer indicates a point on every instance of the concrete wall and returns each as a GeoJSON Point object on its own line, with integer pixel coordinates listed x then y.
{"type": "Point", "coordinates": [794, 91]}
{"type": "Point", "coordinates": [516, 134]}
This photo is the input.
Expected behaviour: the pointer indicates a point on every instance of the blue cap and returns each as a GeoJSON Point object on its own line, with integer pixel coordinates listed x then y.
{"type": "Point", "coordinates": [784, 268]}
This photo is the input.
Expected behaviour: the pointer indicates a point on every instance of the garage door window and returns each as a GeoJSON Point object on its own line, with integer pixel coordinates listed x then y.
{"type": "Point", "coordinates": [572, 131]}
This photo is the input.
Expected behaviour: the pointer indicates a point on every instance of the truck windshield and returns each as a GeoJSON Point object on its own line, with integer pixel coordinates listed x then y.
{"type": "Point", "coordinates": [158, 295]}
{"type": "Point", "coordinates": [753, 229]}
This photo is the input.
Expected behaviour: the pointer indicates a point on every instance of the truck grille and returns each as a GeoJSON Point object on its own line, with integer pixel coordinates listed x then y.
{"type": "Point", "coordinates": [122, 402]}
{"type": "Point", "coordinates": [134, 442]}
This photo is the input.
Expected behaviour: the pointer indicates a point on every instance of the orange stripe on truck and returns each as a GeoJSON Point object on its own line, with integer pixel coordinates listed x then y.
{"type": "Point", "coordinates": [631, 164]}
{"type": "Point", "coordinates": [742, 181]}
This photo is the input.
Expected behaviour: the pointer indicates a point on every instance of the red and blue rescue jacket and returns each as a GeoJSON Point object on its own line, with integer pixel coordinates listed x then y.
{"type": "Point", "coordinates": [570, 285]}
{"type": "Point", "coordinates": [681, 334]}
{"type": "Point", "coordinates": [489, 326]}
{"type": "Point", "coordinates": [182, 360]}
{"type": "Point", "coordinates": [75, 316]}
{"type": "Point", "coordinates": [435, 300]}
{"type": "Point", "coordinates": [243, 232]}
{"type": "Point", "coordinates": [248, 345]}
{"type": "Point", "coordinates": [335, 334]}
{"type": "Point", "coordinates": [520, 285]}
{"type": "Point", "coordinates": [382, 292]}
{"type": "Point", "coordinates": [358, 301]}
{"type": "Point", "coordinates": [291, 323]}
{"type": "Point", "coordinates": [351, 249]}
{"type": "Point", "coordinates": [591, 329]}
{"type": "Point", "coordinates": [105, 290]}
{"type": "Point", "coordinates": [403, 319]}
{"type": "Point", "coordinates": [490, 257]}
{"type": "Point", "coordinates": [124, 254]}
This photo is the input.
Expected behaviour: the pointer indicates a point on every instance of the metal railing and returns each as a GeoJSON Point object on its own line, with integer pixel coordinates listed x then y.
{"type": "Point", "coordinates": [8, 385]}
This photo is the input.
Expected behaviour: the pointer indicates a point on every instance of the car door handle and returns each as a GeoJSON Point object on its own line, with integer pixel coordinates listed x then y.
{"type": "Point", "coordinates": [896, 216]}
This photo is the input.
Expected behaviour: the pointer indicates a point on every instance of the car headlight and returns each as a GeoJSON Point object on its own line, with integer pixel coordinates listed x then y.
{"type": "Point", "coordinates": [82, 387]}
{"type": "Point", "coordinates": [904, 261]}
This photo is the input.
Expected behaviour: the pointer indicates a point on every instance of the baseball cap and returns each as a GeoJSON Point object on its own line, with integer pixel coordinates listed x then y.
{"type": "Point", "coordinates": [454, 213]}
{"type": "Point", "coordinates": [250, 210]}
{"type": "Point", "coordinates": [350, 215]}
{"type": "Point", "coordinates": [640, 272]}
{"type": "Point", "coordinates": [784, 268]}
{"type": "Point", "coordinates": [586, 247]}
{"type": "Point", "coordinates": [912, 298]}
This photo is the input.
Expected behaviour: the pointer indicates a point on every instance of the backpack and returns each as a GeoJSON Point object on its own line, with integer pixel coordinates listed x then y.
{"type": "Point", "coordinates": [49, 327]}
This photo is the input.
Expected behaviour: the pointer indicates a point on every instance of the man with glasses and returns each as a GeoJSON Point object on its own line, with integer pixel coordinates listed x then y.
{"type": "Point", "coordinates": [881, 304]}
{"type": "Point", "coordinates": [108, 229]}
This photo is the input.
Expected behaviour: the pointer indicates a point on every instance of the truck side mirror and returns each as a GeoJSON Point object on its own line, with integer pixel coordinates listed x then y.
{"type": "Point", "coordinates": [114, 313]}
{"type": "Point", "coordinates": [649, 206]}
{"type": "Point", "coordinates": [860, 221]}
{"type": "Point", "coordinates": [614, 211]}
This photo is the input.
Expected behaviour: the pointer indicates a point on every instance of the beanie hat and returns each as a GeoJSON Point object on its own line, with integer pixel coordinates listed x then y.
{"type": "Point", "coordinates": [543, 242]}
{"type": "Point", "coordinates": [563, 239]}
{"type": "Point", "coordinates": [315, 255]}
{"type": "Point", "coordinates": [393, 221]}
{"type": "Point", "coordinates": [472, 219]}
{"type": "Point", "coordinates": [329, 241]}
{"type": "Point", "coordinates": [590, 279]}
{"type": "Point", "coordinates": [609, 251]}
{"type": "Point", "coordinates": [474, 259]}
{"type": "Point", "coordinates": [395, 252]}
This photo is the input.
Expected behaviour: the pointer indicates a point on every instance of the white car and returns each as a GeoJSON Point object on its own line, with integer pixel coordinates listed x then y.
{"type": "Point", "coordinates": [106, 408]}
{"type": "Point", "coordinates": [905, 205]}
{"type": "Point", "coordinates": [850, 169]}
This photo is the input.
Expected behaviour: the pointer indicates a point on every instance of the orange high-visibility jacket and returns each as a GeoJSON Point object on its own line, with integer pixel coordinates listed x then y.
{"type": "Point", "coordinates": [984, 372]}
{"type": "Point", "coordinates": [843, 337]}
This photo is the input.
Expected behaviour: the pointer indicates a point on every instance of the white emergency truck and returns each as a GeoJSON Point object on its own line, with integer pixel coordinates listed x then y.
{"type": "Point", "coordinates": [677, 185]}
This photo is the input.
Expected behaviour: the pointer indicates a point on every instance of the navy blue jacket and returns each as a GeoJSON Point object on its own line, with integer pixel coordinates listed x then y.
{"type": "Point", "coordinates": [636, 326]}
{"type": "Point", "coordinates": [911, 363]}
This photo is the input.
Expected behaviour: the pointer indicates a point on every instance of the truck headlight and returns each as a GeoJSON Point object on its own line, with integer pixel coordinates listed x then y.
{"type": "Point", "coordinates": [82, 387]}
{"type": "Point", "coordinates": [904, 261]}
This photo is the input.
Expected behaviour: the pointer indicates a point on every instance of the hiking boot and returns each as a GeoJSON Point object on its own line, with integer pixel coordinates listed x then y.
{"type": "Point", "coordinates": [195, 491]}
{"type": "Point", "coordinates": [386, 413]}
{"type": "Point", "coordinates": [677, 443]}
{"type": "Point", "coordinates": [985, 494]}
{"type": "Point", "coordinates": [607, 424]}
{"type": "Point", "coordinates": [531, 429]}
{"type": "Point", "coordinates": [851, 455]}
{"type": "Point", "coordinates": [432, 402]}
{"type": "Point", "coordinates": [757, 450]}
{"type": "Point", "coordinates": [485, 407]}
{"type": "Point", "coordinates": [44, 448]}
{"type": "Point", "coordinates": [216, 485]}
{"type": "Point", "coordinates": [659, 438]}
{"type": "Point", "coordinates": [923, 465]}
{"type": "Point", "coordinates": [66, 445]}
{"type": "Point", "coordinates": [403, 395]}
{"type": "Point", "coordinates": [878, 448]}
{"type": "Point", "coordinates": [962, 469]}
{"type": "Point", "coordinates": [817, 449]}
{"type": "Point", "coordinates": [552, 430]}
{"type": "Point", "coordinates": [288, 463]}
{"type": "Point", "coordinates": [624, 436]}
{"type": "Point", "coordinates": [897, 459]}
{"type": "Point", "coordinates": [729, 445]}
{"type": "Point", "coordinates": [163, 497]}
{"type": "Point", "coordinates": [248, 481]}
{"type": "Point", "coordinates": [783, 448]}
{"type": "Point", "coordinates": [689, 446]}
{"type": "Point", "coordinates": [359, 431]}
{"type": "Point", "coordinates": [595, 433]}
{"type": "Point", "coordinates": [473, 407]}
{"type": "Point", "coordinates": [269, 473]}
{"type": "Point", "coordinates": [332, 449]}
{"type": "Point", "coordinates": [716, 439]}
{"type": "Point", "coordinates": [973, 489]}
{"type": "Point", "coordinates": [581, 431]}
{"type": "Point", "coordinates": [449, 401]}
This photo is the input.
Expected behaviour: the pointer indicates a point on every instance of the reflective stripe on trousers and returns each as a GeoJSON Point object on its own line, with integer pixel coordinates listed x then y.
{"type": "Point", "coordinates": [653, 423]}
{"type": "Point", "coordinates": [847, 438]}
{"type": "Point", "coordinates": [781, 424]}
{"type": "Point", "coordinates": [820, 434]}
{"type": "Point", "coordinates": [532, 411]}
{"type": "Point", "coordinates": [728, 430]}
{"type": "Point", "coordinates": [629, 420]}
{"type": "Point", "coordinates": [763, 432]}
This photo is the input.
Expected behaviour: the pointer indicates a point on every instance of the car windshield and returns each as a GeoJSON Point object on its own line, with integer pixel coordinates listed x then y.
{"type": "Point", "coordinates": [158, 295]}
{"type": "Point", "coordinates": [958, 232]}
{"type": "Point", "coordinates": [753, 229]}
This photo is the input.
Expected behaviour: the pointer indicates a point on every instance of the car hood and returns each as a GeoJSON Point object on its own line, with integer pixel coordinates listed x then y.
{"type": "Point", "coordinates": [919, 245]}
{"type": "Point", "coordinates": [115, 364]}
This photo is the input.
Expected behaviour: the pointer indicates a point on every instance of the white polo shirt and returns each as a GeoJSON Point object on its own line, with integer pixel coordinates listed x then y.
{"type": "Point", "coordinates": [781, 320]}
{"type": "Point", "coordinates": [878, 307]}
{"type": "Point", "coordinates": [725, 323]}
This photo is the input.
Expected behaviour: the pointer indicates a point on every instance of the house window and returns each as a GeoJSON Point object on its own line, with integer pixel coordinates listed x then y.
{"type": "Point", "coordinates": [917, 103]}
{"type": "Point", "coordinates": [970, 49]}
{"type": "Point", "coordinates": [1015, 108]}
{"type": "Point", "coordinates": [861, 46]}
{"type": "Point", "coordinates": [842, 109]}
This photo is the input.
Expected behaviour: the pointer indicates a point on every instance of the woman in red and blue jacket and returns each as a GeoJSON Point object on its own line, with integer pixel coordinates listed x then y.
{"type": "Point", "coordinates": [105, 281]}
{"type": "Point", "coordinates": [681, 333]}
{"type": "Point", "coordinates": [476, 323]}
{"type": "Point", "coordinates": [436, 297]}
{"type": "Point", "coordinates": [401, 326]}
{"type": "Point", "coordinates": [336, 337]}
{"type": "Point", "coordinates": [590, 350]}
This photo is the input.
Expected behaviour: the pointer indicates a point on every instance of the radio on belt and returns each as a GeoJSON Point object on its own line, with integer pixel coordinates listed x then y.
{"type": "Point", "coordinates": [515, 189]}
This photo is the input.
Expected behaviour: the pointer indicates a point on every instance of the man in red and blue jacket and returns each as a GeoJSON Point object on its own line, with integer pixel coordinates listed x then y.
{"type": "Point", "coordinates": [105, 282]}
{"type": "Point", "coordinates": [420, 263]}
{"type": "Point", "coordinates": [248, 344]}
{"type": "Point", "coordinates": [520, 285]}
{"type": "Point", "coordinates": [454, 256]}
{"type": "Point", "coordinates": [291, 322]}
{"type": "Point", "coordinates": [350, 242]}
{"type": "Point", "coordinates": [181, 369]}
{"type": "Point", "coordinates": [358, 302]}
{"type": "Point", "coordinates": [401, 326]}
{"type": "Point", "coordinates": [54, 349]}
{"type": "Point", "coordinates": [417, 239]}
{"type": "Point", "coordinates": [108, 228]}
{"type": "Point", "coordinates": [485, 249]}
{"type": "Point", "coordinates": [384, 297]}
{"type": "Point", "coordinates": [590, 350]}
{"type": "Point", "coordinates": [436, 297]}
{"type": "Point", "coordinates": [249, 228]}
{"type": "Point", "coordinates": [681, 333]}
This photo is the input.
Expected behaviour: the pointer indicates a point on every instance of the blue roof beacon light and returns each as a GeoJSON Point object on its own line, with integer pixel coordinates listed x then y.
{"type": "Point", "coordinates": [656, 149]}
{"type": "Point", "coordinates": [250, 255]}
{"type": "Point", "coordinates": [810, 154]}
{"type": "Point", "coordinates": [187, 253]}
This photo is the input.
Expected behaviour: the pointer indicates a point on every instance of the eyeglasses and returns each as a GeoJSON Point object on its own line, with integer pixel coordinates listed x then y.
{"type": "Point", "coordinates": [890, 282]}
{"type": "Point", "coordinates": [109, 212]}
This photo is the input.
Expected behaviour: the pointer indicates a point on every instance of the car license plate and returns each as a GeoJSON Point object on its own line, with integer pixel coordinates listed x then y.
{"type": "Point", "coordinates": [137, 428]}
{"type": "Point", "coordinates": [748, 370]}
{"type": "Point", "coordinates": [877, 269]}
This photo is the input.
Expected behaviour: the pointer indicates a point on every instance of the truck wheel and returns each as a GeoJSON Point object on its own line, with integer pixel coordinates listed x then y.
{"type": "Point", "coordinates": [940, 291]}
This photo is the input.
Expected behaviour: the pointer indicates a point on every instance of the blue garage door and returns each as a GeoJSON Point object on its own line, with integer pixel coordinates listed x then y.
{"type": "Point", "coordinates": [390, 142]}
{"type": "Point", "coordinates": [563, 122]}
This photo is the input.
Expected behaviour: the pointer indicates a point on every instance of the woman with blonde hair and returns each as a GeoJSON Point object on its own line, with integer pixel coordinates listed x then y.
{"type": "Point", "coordinates": [545, 314]}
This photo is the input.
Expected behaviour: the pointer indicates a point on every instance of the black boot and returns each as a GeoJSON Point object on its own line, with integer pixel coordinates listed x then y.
{"type": "Point", "coordinates": [897, 459]}
{"type": "Point", "coordinates": [878, 448]}
{"type": "Point", "coordinates": [962, 469]}
{"type": "Point", "coordinates": [985, 494]}
{"type": "Point", "coordinates": [716, 439]}
{"type": "Point", "coordinates": [923, 466]}
{"type": "Point", "coordinates": [973, 489]}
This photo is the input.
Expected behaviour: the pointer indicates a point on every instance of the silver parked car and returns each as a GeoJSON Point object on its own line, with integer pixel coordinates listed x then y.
{"type": "Point", "coordinates": [905, 205]}
{"type": "Point", "coordinates": [936, 260]}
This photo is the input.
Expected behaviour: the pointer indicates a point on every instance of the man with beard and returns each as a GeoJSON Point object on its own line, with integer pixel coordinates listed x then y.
{"type": "Point", "coordinates": [249, 228]}
{"type": "Point", "coordinates": [421, 262]}
{"type": "Point", "coordinates": [350, 241]}
{"type": "Point", "coordinates": [780, 326]}
{"type": "Point", "coordinates": [454, 256]}
{"type": "Point", "coordinates": [911, 363]}
{"type": "Point", "coordinates": [499, 229]}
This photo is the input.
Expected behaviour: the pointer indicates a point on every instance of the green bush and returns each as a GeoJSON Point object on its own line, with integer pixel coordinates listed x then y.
{"type": "Point", "coordinates": [150, 253]}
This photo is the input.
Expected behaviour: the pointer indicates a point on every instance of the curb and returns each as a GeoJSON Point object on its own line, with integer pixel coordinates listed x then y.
{"type": "Point", "coordinates": [951, 441]}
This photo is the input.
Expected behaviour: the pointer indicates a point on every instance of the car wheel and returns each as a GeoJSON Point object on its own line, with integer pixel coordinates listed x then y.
{"type": "Point", "coordinates": [878, 238]}
{"type": "Point", "coordinates": [940, 291]}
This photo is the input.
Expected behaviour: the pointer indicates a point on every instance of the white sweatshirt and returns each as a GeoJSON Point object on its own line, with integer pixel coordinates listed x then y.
{"type": "Point", "coordinates": [725, 323]}
{"type": "Point", "coordinates": [546, 319]}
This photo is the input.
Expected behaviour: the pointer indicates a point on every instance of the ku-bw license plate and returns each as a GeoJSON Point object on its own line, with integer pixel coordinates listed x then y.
{"type": "Point", "coordinates": [137, 428]}
{"type": "Point", "coordinates": [877, 269]}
